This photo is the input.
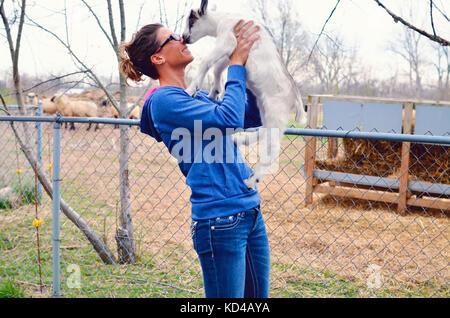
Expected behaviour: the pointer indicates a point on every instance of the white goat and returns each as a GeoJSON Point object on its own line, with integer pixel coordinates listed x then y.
{"type": "Point", "coordinates": [267, 78]}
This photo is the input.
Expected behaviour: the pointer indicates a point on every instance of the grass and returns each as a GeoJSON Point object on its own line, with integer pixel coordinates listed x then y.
{"type": "Point", "coordinates": [175, 272]}
{"type": "Point", "coordinates": [9, 99]}
{"type": "Point", "coordinates": [25, 193]}
{"type": "Point", "coordinates": [307, 282]}
{"type": "Point", "coordinates": [10, 289]}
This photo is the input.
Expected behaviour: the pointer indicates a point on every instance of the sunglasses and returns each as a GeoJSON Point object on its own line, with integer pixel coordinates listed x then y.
{"type": "Point", "coordinates": [172, 37]}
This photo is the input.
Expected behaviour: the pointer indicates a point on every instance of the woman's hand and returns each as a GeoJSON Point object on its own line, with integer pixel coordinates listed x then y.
{"type": "Point", "coordinates": [245, 35]}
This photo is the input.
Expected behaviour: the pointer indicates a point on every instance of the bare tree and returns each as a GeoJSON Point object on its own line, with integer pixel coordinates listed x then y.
{"type": "Point", "coordinates": [102, 250]}
{"type": "Point", "coordinates": [287, 31]}
{"type": "Point", "coordinates": [334, 65]}
{"type": "Point", "coordinates": [441, 64]}
{"type": "Point", "coordinates": [409, 47]}
{"type": "Point", "coordinates": [125, 232]}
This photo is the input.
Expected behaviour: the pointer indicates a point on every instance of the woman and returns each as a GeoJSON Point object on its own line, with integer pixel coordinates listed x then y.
{"type": "Point", "coordinates": [228, 230]}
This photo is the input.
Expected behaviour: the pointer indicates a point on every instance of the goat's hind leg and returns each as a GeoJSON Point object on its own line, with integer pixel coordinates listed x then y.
{"type": "Point", "coordinates": [269, 147]}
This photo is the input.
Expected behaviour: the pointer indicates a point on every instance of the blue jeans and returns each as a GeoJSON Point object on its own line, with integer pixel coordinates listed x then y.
{"type": "Point", "coordinates": [234, 255]}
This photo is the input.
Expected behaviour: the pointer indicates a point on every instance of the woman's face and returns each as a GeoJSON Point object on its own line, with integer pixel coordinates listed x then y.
{"type": "Point", "coordinates": [175, 53]}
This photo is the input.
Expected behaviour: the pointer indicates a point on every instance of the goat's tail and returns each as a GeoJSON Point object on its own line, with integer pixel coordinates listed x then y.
{"type": "Point", "coordinates": [300, 113]}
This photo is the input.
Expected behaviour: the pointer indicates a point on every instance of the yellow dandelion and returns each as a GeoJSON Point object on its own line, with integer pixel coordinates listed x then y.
{"type": "Point", "coordinates": [37, 223]}
{"type": "Point", "coordinates": [49, 166]}
{"type": "Point", "coordinates": [19, 171]}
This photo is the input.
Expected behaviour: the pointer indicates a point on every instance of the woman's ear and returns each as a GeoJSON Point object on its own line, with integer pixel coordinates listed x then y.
{"type": "Point", "coordinates": [157, 59]}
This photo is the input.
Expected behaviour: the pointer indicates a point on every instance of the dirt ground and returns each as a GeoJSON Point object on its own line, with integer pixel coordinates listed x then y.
{"type": "Point", "coordinates": [338, 235]}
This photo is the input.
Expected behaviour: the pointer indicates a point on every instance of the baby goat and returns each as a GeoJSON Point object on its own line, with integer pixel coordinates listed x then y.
{"type": "Point", "coordinates": [267, 78]}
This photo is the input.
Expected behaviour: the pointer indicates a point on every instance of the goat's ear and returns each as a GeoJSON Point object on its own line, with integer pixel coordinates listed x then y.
{"type": "Point", "coordinates": [203, 7]}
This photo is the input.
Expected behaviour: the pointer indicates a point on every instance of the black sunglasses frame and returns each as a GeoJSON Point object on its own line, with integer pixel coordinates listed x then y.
{"type": "Point", "coordinates": [172, 37]}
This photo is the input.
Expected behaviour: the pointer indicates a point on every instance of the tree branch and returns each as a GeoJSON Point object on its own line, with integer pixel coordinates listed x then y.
{"type": "Point", "coordinates": [99, 24]}
{"type": "Point", "coordinates": [396, 18]}
{"type": "Point", "coordinates": [111, 25]}
{"type": "Point", "coordinates": [89, 71]}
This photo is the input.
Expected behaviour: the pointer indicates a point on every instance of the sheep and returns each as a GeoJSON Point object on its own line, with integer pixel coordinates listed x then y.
{"type": "Point", "coordinates": [32, 99]}
{"type": "Point", "coordinates": [75, 108]}
{"type": "Point", "coordinates": [134, 114]}
{"type": "Point", "coordinates": [48, 107]}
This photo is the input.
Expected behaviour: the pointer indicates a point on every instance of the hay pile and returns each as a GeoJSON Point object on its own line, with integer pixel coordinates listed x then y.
{"type": "Point", "coordinates": [429, 163]}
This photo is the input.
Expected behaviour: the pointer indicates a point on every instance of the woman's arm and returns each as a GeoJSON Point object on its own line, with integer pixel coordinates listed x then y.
{"type": "Point", "coordinates": [177, 109]}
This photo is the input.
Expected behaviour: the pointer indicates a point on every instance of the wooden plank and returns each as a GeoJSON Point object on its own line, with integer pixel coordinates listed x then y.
{"type": "Point", "coordinates": [383, 196]}
{"type": "Point", "coordinates": [310, 150]}
{"type": "Point", "coordinates": [364, 99]}
{"type": "Point", "coordinates": [429, 202]}
{"type": "Point", "coordinates": [404, 168]}
{"type": "Point", "coordinates": [355, 193]}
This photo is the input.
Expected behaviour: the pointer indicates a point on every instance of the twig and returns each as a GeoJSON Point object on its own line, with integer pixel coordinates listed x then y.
{"type": "Point", "coordinates": [53, 79]}
{"type": "Point", "coordinates": [440, 11]}
{"type": "Point", "coordinates": [323, 28]}
{"type": "Point", "coordinates": [431, 17]}
{"type": "Point", "coordinates": [41, 286]}
{"type": "Point", "coordinates": [5, 109]}
{"type": "Point", "coordinates": [396, 18]}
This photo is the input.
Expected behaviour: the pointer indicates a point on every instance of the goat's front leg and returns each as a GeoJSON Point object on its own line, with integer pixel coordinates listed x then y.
{"type": "Point", "coordinates": [217, 83]}
{"type": "Point", "coordinates": [226, 45]}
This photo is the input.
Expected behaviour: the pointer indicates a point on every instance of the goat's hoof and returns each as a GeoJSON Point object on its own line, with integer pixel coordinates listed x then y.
{"type": "Point", "coordinates": [192, 90]}
{"type": "Point", "coordinates": [251, 182]}
{"type": "Point", "coordinates": [214, 95]}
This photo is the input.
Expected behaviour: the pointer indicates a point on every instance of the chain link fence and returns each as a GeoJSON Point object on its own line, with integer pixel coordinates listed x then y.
{"type": "Point", "coordinates": [331, 210]}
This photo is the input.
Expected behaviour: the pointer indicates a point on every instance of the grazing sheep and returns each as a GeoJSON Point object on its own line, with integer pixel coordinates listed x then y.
{"type": "Point", "coordinates": [31, 99]}
{"type": "Point", "coordinates": [134, 114]}
{"type": "Point", "coordinates": [97, 96]}
{"type": "Point", "coordinates": [48, 107]}
{"type": "Point", "coordinates": [75, 108]}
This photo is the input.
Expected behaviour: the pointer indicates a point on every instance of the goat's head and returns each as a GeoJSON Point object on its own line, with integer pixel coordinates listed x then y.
{"type": "Point", "coordinates": [199, 24]}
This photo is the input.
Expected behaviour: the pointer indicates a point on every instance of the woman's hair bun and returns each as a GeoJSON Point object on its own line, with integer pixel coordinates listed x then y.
{"type": "Point", "coordinates": [127, 67]}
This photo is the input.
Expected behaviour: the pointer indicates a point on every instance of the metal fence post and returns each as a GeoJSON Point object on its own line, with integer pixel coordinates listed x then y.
{"type": "Point", "coordinates": [56, 207]}
{"type": "Point", "coordinates": [39, 145]}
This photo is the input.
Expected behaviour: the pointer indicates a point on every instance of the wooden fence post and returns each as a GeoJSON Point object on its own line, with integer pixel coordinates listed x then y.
{"type": "Point", "coordinates": [310, 151]}
{"type": "Point", "coordinates": [404, 168]}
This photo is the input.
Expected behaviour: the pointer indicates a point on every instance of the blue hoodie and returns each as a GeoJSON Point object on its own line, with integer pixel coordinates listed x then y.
{"type": "Point", "coordinates": [197, 132]}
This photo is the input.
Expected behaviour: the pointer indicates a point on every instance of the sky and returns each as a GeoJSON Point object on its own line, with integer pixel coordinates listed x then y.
{"type": "Point", "coordinates": [361, 23]}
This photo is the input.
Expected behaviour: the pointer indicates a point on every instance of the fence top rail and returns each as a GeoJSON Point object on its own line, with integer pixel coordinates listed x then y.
{"type": "Point", "coordinates": [444, 140]}
{"type": "Point", "coordinates": [382, 100]}
{"type": "Point", "coordinates": [80, 120]}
